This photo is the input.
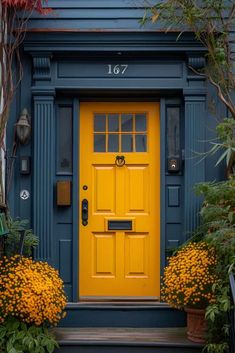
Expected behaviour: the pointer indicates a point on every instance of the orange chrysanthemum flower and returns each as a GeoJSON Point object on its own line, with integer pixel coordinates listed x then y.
{"type": "Point", "coordinates": [189, 277]}
{"type": "Point", "coordinates": [30, 291]}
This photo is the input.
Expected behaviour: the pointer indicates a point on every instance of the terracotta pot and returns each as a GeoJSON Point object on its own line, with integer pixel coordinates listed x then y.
{"type": "Point", "coordinates": [196, 325]}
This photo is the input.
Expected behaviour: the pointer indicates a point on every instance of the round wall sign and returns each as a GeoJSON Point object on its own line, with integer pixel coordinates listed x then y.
{"type": "Point", "coordinates": [24, 194]}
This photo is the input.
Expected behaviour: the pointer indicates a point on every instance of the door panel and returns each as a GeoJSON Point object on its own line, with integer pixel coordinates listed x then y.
{"type": "Point", "coordinates": [104, 202]}
{"type": "Point", "coordinates": [136, 179]}
{"type": "Point", "coordinates": [119, 248]}
{"type": "Point", "coordinates": [104, 254]}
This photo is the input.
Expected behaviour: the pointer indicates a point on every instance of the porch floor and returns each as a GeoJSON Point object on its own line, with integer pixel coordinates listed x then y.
{"type": "Point", "coordinates": [126, 336]}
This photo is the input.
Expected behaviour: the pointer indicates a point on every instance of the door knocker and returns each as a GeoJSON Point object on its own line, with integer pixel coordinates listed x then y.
{"type": "Point", "coordinates": [120, 161]}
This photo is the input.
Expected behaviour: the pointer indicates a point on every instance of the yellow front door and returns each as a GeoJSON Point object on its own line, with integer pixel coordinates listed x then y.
{"type": "Point", "coordinates": [119, 238]}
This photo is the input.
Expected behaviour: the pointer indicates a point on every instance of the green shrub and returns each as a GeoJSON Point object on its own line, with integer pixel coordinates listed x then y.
{"type": "Point", "coordinates": [218, 229]}
{"type": "Point", "coordinates": [12, 243]}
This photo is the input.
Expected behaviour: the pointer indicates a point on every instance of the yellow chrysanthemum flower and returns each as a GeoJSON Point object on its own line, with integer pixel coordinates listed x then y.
{"type": "Point", "coordinates": [189, 277]}
{"type": "Point", "coordinates": [31, 291]}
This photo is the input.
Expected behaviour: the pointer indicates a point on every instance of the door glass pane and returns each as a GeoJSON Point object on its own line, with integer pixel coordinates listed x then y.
{"type": "Point", "coordinates": [127, 143]}
{"type": "Point", "coordinates": [99, 123]}
{"type": "Point", "coordinates": [141, 143]}
{"type": "Point", "coordinates": [64, 140]}
{"type": "Point", "coordinates": [113, 122]}
{"type": "Point", "coordinates": [113, 143]}
{"type": "Point", "coordinates": [140, 122]}
{"type": "Point", "coordinates": [99, 143]}
{"type": "Point", "coordinates": [127, 122]}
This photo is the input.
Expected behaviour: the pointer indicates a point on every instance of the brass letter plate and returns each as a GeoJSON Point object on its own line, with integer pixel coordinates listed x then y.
{"type": "Point", "coordinates": [63, 193]}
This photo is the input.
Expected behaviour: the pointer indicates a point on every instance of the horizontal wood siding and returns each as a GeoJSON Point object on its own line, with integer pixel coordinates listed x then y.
{"type": "Point", "coordinates": [99, 4]}
{"type": "Point", "coordinates": [92, 15]}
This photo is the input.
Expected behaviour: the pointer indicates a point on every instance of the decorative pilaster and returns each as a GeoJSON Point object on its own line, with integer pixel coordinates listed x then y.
{"type": "Point", "coordinates": [43, 171]}
{"type": "Point", "coordinates": [194, 149]}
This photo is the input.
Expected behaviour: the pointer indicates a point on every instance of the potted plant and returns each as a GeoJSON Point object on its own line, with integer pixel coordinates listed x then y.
{"type": "Point", "coordinates": [188, 283]}
{"type": "Point", "coordinates": [31, 300]}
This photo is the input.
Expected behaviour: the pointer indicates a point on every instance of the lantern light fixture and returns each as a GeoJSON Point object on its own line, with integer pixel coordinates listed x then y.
{"type": "Point", "coordinates": [23, 127]}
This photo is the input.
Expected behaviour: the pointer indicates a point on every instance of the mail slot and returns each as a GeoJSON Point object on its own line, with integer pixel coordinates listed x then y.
{"type": "Point", "coordinates": [119, 225]}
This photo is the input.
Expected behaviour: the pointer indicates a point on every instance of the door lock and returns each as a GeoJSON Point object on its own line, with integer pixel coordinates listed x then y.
{"type": "Point", "coordinates": [85, 212]}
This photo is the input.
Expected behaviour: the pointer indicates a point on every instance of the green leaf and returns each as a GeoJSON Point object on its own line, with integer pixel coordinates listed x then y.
{"type": "Point", "coordinates": [32, 330]}
{"type": "Point", "coordinates": [222, 157]}
{"type": "Point", "coordinates": [20, 335]}
{"type": "Point", "coordinates": [23, 327]}
{"type": "Point", "coordinates": [2, 333]}
{"type": "Point", "coordinates": [50, 347]}
{"type": "Point", "coordinates": [31, 345]}
{"type": "Point", "coordinates": [12, 350]}
{"type": "Point", "coordinates": [230, 217]}
{"type": "Point", "coordinates": [9, 345]}
{"type": "Point", "coordinates": [37, 350]}
{"type": "Point", "coordinates": [229, 154]}
{"type": "Point", "coordinates": [36, 342]}
{"type": "Point", "coordinates": [45, 341]}
{"type": "Point", "coordinates": [26, 341]}
{"type": "Point", "coordinates": [211, 312]}
{"type": "Point", "coordinates": [12, 324]}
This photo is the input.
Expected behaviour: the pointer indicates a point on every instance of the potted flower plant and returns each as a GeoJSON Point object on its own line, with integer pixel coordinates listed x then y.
{"type": "Point", "coordinates": [31, 300]}
{"type": "Point", "coordinates": [188, 282]}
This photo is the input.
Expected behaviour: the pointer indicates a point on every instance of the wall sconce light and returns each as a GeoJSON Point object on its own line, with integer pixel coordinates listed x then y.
{"type": "Point", "coordinates": [23, 127]}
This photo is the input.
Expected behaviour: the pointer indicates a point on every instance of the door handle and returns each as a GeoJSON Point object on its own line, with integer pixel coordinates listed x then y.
{"type": "Point", "coordinates": [85, 212]}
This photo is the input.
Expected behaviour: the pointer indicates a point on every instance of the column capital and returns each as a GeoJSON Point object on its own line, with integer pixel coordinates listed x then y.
{"type": "Point", "coordinates": [43, 92]}
{"type": "Point", "coordinates": [194, 94]}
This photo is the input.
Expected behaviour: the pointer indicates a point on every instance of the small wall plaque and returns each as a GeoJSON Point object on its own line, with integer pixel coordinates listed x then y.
{"type": "Point", "coordinates": [63, 192]}
{"type": "Point", "coordinates": [24, 194]}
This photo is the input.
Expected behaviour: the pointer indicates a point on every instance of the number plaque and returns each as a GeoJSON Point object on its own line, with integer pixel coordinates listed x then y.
{"type": "Point", "coordinates": [117, 70]}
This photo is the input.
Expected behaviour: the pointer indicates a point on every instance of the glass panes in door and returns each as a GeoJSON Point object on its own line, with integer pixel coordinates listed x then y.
{"type": "Point", "coordinates": [120, 132]}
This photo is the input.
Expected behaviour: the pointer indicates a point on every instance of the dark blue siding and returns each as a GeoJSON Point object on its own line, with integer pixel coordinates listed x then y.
{"type": "Point", "coordinates": [92, 15]}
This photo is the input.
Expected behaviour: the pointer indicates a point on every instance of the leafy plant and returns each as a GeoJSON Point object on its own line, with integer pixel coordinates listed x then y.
{"type": "Point", "coordinates": [12, 244]}
{"type": "Point", "coordinates": [18, 337]}
{"type": "Point", "coordinates": [212, 24]}
{"type": "Point", "coordinates": [218, 229]}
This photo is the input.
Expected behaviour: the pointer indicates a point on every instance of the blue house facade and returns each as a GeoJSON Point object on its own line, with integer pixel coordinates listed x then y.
{"type": "Point", "coordinates": [91, 54]}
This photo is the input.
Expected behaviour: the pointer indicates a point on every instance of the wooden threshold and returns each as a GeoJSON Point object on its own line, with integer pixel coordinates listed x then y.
{"type": "Point", "coordinates": [117, 304]}
{"type": "Point", "coordinates": [117, 299]}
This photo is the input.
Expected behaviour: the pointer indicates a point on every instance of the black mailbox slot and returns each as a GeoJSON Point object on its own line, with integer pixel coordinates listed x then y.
{"type": "Point", "coordinates": [119, 225]}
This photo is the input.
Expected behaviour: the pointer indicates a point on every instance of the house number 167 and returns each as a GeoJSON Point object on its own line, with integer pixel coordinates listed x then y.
{"type": "Point", "coordinates": [117, 69]}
